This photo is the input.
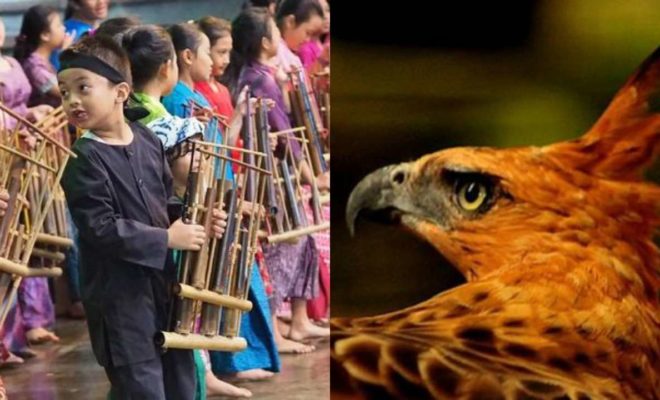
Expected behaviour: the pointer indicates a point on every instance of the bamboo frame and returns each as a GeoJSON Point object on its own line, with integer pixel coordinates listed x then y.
{"type": "Point", "coordinates": [196, 290]}
{"type": "Point", "coordinates": [35, 202]}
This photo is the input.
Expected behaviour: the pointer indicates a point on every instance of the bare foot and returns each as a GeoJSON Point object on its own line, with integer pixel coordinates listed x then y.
{"type": "Point", "coordinates": [41, 335]}
{"type": "Point", "coordinates": [284, 327]}
{"type": "Point", "coordinates": [254, 374]}
{"type": "Point", "coordinates": [12, 359]}
{"type": "Point", "coordinates": [286, 346]}
{"type": "Point", "coordinates": [216, 387]}
{"type": "Point", "coordinates": [308, 331]}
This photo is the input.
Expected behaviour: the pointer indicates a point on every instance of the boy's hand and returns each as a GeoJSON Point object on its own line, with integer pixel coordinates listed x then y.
{"type": "Point", "coordinates": [182, 236]}
{"type": "Point", "coordinates": [219, 223]}
{"type": "Point", "coordinates": [4, 198]}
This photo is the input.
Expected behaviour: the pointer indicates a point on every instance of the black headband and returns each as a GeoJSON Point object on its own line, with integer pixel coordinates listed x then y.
{"type": "Point", "coordinates": [73, 59]}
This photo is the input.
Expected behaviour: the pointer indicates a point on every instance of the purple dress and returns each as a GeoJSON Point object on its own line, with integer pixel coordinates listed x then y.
{"type": "Point", "coordinates": [15, 91]}
{"type": "Point", "coordinates": [34, 307]}
{"type": "Point", "coordinates": [43, 78]}
{"type": "Point", "coordinates": [262, 84]}
{"type": "Point", "coordinates": [293, 268]}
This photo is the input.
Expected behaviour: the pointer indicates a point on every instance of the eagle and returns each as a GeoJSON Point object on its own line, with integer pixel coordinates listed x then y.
{"type": "Point", "coordinates": [556, 243]}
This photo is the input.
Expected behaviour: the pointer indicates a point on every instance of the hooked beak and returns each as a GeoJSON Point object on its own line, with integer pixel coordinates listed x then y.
{"type": "Point", "coordinates": [382, 196]}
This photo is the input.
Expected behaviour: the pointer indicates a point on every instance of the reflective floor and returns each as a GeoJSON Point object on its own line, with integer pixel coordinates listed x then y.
{"type": "Point", "coordinates": [68, 371]}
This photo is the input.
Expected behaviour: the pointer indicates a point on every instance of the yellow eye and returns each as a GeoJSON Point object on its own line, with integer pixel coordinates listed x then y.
{"type": "Point", "coordinates": [471, 195]}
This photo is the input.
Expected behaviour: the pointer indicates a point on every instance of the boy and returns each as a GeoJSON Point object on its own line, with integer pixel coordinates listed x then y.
{"type": "Point", "coordinates": [117, 190]}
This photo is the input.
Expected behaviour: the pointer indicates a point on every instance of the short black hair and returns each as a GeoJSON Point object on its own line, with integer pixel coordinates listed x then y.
{"type": "Point", "coordinates": [148, 47]}
{"type": "Point", "coordinates": [108, 51]}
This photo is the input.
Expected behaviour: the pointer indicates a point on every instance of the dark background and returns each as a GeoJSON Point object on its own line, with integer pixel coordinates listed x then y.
{"type": "Point", "coordinates": [408, 81]}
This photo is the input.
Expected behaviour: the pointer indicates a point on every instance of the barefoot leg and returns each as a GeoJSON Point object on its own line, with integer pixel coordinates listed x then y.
{"type": "Point", "coordinates": [216, 387]}
{"type": "Point", "coordinates": [41, 335]}
{"type": "Point", "coordinates": [285, 346]}
{"type": "Point", "coordinates": [254, 374]}
{"type": "Point", "coordinates": [301, 326]}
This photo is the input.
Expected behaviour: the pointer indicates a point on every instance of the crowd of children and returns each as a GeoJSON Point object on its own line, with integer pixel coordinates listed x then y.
{"type": "Point", "coordinates": [127, 90]}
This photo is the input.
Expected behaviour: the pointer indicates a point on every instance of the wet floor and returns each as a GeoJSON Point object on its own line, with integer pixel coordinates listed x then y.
{"type": "Point", "coordinates": [68, 371]}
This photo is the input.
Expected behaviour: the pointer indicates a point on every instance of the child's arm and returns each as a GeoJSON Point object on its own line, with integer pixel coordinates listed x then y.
{"type": "Point", "coordinates": [94, 212]}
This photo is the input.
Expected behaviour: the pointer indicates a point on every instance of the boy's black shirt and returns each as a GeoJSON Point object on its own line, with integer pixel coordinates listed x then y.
{"type": "Point", "coordinates": [118, 198]}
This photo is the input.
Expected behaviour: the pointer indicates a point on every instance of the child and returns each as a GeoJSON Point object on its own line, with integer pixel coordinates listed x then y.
{"type": "Point", "coordinates": [315, 53]}
{"type": "Point", "coordinates": [80, 17]}
{"type": "Point", "coordinates": [297, 21]}
{"type": "Point", "coordinates": [218, 31]}
{"type": "Point", "coordinates": [117, 190]}
{"type": "Point", "coordinates": [193, 52]}
{"type": "Point", "coordinates": [15, 92]}
{"type": "Point", "coordinates": [260, 359]}
{"type": "Point", "coordinates": [293, 267]}
{"type": "Point", "coordinates": [245, 365]}
{"type": "Point", "coordinates": [41, 33]}
{"type": "Point", "coordinates": [155, 72]}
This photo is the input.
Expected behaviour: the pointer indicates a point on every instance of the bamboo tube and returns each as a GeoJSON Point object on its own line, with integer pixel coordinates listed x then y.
{"type": "Point", "coordinates": [298, 232]}
{"type": "Point", "coordinates": [54, 240]}
{"type": "Point", "coordinates": [290, 130]}
{"type": "Point", "coordinates": [172, 340]}
{"type": "Point", "coordinates": [11, 267]}
{"type": "Point", "coordinates": [207, 296]}
{"type": "Point", "coordinates": [52, 272]}
{"type": "Point", "coordinates": [51, 255]}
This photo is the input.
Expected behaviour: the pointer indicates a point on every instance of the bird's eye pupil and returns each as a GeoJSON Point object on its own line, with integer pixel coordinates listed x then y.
{"type": "Point", "coordinates": [472, 195]}
{"type": "Point", "coordinates": [472, 192]}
